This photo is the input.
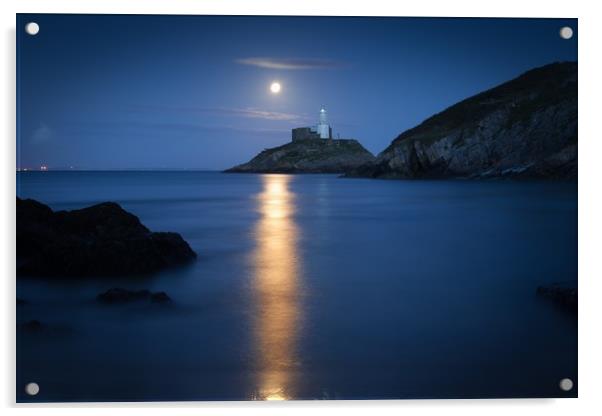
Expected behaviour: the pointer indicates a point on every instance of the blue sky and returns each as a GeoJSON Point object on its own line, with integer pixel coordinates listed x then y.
{"type": "Point", "coordinates": [192, 92]}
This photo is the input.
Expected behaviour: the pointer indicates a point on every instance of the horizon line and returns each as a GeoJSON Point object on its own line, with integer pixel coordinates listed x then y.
{"type": "Point", "coordinates": [118, 170]}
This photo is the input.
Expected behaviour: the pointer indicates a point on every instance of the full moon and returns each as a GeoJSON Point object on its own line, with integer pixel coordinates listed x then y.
{"type": "Point", "coordinates": [32, 28]}
{"type": "Point", "coordinates": [275, 87]}
{"type": "Point", "coordinates": [566, 32]}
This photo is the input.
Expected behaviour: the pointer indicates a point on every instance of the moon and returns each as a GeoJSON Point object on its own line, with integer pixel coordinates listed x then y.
{"type": "Point", "coordinates": [566, 32]}
{"type": "Point", "coordinates": [32, 28]}
{"type": "Point", "coordinates": [275, 87]}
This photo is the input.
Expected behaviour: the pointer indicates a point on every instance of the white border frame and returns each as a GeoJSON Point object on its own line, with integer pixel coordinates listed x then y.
{"type": "Point", "coordinates": [590, 200]}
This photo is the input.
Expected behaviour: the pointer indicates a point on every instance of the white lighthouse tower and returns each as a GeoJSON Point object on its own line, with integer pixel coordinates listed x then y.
{"type": "Point", "coordinates": [323, 129]}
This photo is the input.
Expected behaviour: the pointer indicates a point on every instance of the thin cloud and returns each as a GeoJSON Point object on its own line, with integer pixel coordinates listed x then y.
{"type": "Point", "coordinates": [229, 111]}
{"type": "Point", "coordinates": [255, 113]}
{"type": "Point", "coordinates": [290, 63]}
{"type": "Point", "coordinates": [116, 127]}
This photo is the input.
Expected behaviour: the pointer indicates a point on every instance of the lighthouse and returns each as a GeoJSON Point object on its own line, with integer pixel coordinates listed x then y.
{"type": "Point", "coordinates": [323, 129]}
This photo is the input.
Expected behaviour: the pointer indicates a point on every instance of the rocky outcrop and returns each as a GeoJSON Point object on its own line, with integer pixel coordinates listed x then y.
{"type": "Point", "coordinates": [32, 326]}
{"type": "Point", "coordinates": [101, 240]}
{"type": "Point", "coordinates": [118, 295]}
{"type": "Point", "coordinates": [526, 127]}
{"type": "Point", "coordinates": [309, 156]}
{"type": "Point", "coordinates": [564, 294]}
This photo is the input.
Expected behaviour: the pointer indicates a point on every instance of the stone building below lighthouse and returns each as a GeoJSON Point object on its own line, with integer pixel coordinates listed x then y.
{"type": "Point", "coordinates": [321, 131]}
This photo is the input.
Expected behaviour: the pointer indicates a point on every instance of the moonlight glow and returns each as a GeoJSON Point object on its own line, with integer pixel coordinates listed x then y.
{"type": "Point", "coordinates": [275, 87]}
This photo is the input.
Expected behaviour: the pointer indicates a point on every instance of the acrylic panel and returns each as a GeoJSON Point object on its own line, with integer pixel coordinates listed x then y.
{"type": "Point", "coordinates": [295, 208]}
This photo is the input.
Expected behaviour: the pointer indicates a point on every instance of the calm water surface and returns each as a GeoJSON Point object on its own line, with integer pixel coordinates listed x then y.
{"type": "Point", "coordinates": [312, 286]}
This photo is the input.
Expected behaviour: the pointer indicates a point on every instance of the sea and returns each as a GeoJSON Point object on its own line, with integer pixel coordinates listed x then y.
{"type": "Point", "coordinates": [312, 287]}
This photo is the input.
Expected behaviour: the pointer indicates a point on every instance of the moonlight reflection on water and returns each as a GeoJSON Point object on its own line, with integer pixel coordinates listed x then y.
{"type": "Point", "coordinates": [276, 263]}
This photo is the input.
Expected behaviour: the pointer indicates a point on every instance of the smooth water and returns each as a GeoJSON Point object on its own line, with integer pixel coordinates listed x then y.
{"type": "Point", "coordinates": [313, 286]}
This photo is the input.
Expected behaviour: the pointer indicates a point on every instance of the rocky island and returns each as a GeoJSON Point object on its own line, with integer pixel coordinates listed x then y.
{"type": "Point", "coordinates": [526, 127]}
{"type": "Point", "coordinates": [101, 240]}
{"type": "Point", "coordinates": [308, 156]}
{"type": "Point", "coordinates": [312, 150]}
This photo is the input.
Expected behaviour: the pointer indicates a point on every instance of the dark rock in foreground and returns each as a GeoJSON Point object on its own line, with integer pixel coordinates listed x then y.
{"type": "Point", "coordinates": [32, 326]}
{"type": "Point", "coordinates": [524, 128]}
{"type": "Point", "coordinates": [160, 297]}
{"type": "Point", "coordinates": [101, 240]}
{"type": "Point", "coordinates": [309, 156]}
{"type": "Point", "coordinates": [119, 295]}
{"type": "Point", "coordinates": [563, 294]}
{"type": "Point", "coordinates": [35, 327]}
